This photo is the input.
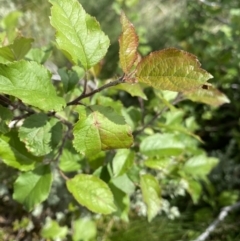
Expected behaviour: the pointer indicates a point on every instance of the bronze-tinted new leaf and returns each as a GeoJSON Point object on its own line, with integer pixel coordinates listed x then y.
{"type": "Point", "coordinates": [172, 69]}
{"type": "Point", "coordinates": [128, 42]}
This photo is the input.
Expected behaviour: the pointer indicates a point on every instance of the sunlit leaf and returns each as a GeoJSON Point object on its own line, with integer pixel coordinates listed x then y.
{"type": "Point", "coordinates": [39, 55]}
{"type": "Point", "coordinates": [199, 166]}
{"type": "Point", "coordinates": [36, 134]}
{"type": "Point", "coordinates": [78, 34]}
{"type": "Point", "coordinates": [31, 83]}
{"type": "Point", "coordinates": [31, 188]}
{"type": "Point", "coordinates": [122, 162]}
{"type": "Point", "coordinates": [151, 195]}
{"type": "Point", "coordinates": [128, 43]}
{"type": "Point", "coordinates": [92, 192]}
{"type": "Point", "coordinates": [100, 128]}
{"type": "Point", "coordinates": [171, 69]}
{"type": "Point", "coordinates": [208, 95]}
{"type": "Point", "coordinates": [161, 145]}
{"type": "Point", "coordinates": [124, 183]}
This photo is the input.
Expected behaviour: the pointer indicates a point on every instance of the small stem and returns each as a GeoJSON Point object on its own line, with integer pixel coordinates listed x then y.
{"type": "Point", "coordinates": [6, 100]}
{"type": "Point", "coordinates": [141, 103]}
{"type": "Point", "coordinates": [178, 99]}
{"type": "Point", "coordinates": [62, 174]}
{"type": "Point", "coordinates": [60, 151]}
{"type": "Point", "coordinates": [108, 229]}
{"type": "Point", "coordinates": [84, 87]}
{"type": "Point", "coordinates": [65, 122]}
{"type": "Point", "coordinates": [114, 83]}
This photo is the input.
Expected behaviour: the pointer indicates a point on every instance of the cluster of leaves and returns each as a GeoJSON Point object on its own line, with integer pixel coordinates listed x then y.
{"type": "Point", "coordinates": [72, 128]}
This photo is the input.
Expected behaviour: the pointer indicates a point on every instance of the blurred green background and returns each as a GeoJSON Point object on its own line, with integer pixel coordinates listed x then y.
{"type": "Point", "coordinates": [208, 29]}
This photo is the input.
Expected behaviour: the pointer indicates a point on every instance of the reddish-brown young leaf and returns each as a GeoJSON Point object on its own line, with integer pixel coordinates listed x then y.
{"type": "Point", "coordinates": [172, 69]}
{"type": "Point", "coordinates": [128, 43]}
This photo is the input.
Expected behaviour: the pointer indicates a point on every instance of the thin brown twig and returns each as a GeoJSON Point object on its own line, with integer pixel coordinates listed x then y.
{"type": "Point", "coordinates": [178, 99]}
{"type": "Point", "coordinates": [84, 87]}
{"type": "Point", "coordinates": [60, 151]}
{"type": "Point", "coordinates": [110, 84]}
{"type": "Point", "coordinates": [6, 100]}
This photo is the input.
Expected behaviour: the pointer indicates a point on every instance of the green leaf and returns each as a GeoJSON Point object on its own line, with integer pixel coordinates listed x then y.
{"type": "Point", "coordinates": [70, 160]}
{"type": "Point", "coordinates": [102, 100]}
{"type": "Point", "coordinates": [78, 34]}
{"type": "Point", "coordinates": [199, 166]}
{"type": "Point", "coordinates": [5, 116]}
{"type": "Point", "coordinates": [39, 55]}
{"type": "Point", "coordinates": [98, 160]}
{"type": "Point", "coordinates": [13, 153]}
{"type": "Point", "coordinates": [84, 230]}
{"type": "Point", "coordinates": [11, 20]}
{"type": "Point", "coordinates": [158, 164]}
{"type": "Point", "coordinates": [122, 202]}
{"type": "Point", "coordinates": [92, 192]}
{"type": "Point", "coordinates": [122, 162]}
{"type": "Point", "coordinates": [69, 79]}
{"type": "Point", "coordinates": [124, 183]}
{"type": "Point", "coordinates": [171, 69]}
{"type": "Point", "coordinates": [134, 89]}
{"type": "Point", "coordinates": [128, 43]}
{"type": "Point", "coordinates": [100, 128]}
{"type": "Point", "coordinates": [132, 116]}
{"type": "Point", "coordinates": [180, 129]}
{"type": "Point", "coordinates": [17, 50]}
{"type": "Point", "coordinates": [194, 189]}
{"type": "Point", "coordinates": [56, 132]}
{"type": "Point", "coordinates": [31, 83]}
{"type": "Point", "coordinates": [161, 145]}
{"type": "Point", "coordinates": [151, 195]}
{"type": "Point", "coordinates": [36, 134]}
{"type": "Point", "coordinates": [52, 230]}
{"type": "Point", "coordinates": [208, 95]}
{"type": "Point", "coordinates": [10, 23]}
{"type": "Point", "coordinates": [32, 188]}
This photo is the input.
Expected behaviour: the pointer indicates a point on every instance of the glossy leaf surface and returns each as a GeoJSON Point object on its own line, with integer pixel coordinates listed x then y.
{"type": "Point", "coordinates": [31, 83]}
{"type": "Point", "coordinates": [161, 145]}
{"type": "Point", "coordinates": [100, 128]}
{"type": "Point", "coordinates": [78, 34]}
{"type": "Point", "coordinates": [92, 192]}
{"type": "Point", "coordinates": [36, 134]}
{"type": "Point", "coordinates": [171, 69]}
